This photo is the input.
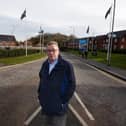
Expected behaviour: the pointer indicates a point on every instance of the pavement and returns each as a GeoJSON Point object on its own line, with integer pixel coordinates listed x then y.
{"type": "Point", "coordinates": [117, 72]}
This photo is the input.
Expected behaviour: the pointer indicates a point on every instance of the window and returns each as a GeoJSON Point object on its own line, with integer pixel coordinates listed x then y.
{"type": "Point", "coordinates": [115, 47]}
{"type": "Point", "coordinates": [122, 47]}
{"type": "Point", "coordinates": [115, 40]}
{"type": "Point", "coordinates": [123, 39]}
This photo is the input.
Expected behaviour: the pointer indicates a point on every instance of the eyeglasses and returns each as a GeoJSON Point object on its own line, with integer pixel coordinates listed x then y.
{"type": "Point", "coordinates": [51, 50]}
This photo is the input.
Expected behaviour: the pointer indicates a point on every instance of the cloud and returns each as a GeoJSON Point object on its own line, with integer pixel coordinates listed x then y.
{"type": "Point", "coordinates": [57, 16]}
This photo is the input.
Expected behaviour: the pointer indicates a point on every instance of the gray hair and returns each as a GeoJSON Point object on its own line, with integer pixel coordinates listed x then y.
{"type": "Point", "coordinates": [52, 43]}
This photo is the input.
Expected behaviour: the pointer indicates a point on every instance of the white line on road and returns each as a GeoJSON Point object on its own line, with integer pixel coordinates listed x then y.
{"type": "Point", "coordinates": [104, 73]}
{"type": "Point", "coordinates": [81, 120]}
{"type": "Point", "coordinates": [108, 75]}
{"type": "Point", "coordinates": [90, 116]}
{"type": "Point", "coordinates": [29, 120]}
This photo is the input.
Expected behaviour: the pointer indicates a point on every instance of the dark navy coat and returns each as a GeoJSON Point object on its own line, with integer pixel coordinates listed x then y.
{"type": "Point", "coordinates": [56, 89]}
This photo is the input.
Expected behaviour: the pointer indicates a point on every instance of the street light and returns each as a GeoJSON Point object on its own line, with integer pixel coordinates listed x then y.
{"type": "Point", "coordinates": [73, 32]}
{"type": "Point", "coordinates": [41, 33]}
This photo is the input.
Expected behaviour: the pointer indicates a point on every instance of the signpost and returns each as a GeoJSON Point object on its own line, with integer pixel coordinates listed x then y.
{"type": "Point", "coordinates": [83, 47]}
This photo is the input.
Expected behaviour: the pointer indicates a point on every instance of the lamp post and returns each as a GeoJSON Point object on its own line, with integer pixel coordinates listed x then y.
{"type": "Point", "coordinates": [26, 47]}
{"type": "Point", "coordinates": [41, 33]}
{"type": "Point", "coordinates": [73, 32]}
{"type": "Point", "coordinates": [111, 36]}
{"type": "Point", "coordinates": [42, 40]}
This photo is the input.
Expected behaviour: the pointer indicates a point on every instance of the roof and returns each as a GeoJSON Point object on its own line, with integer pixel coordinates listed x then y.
{"type": "Point", "coordinates": [7, 38]}
{"type": "Point", "coordinates": [120, 33]}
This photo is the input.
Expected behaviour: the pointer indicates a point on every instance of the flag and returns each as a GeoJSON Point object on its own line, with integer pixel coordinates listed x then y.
{"type": "Point", "coordinates": [108, 12]}
{"type": "Point", "coordinates": [23, 15]}
{"type": "Point", "coordinates": [87, 30]}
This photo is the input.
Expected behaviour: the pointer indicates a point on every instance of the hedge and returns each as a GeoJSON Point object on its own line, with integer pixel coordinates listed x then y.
{"type": "Point", "coordinates": [16, 52]}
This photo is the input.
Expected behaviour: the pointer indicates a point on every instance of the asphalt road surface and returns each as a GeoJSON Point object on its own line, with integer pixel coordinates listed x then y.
{"type": "Point", "coordinates": [103, 95]}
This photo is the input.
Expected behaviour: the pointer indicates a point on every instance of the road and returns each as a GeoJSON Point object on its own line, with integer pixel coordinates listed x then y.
{"type": "Point", "coordinates": [103, 95]}
{"type": "Point", "coordinates": [18, 93]}
{"type": "Point", "coordinates": [71, 120]}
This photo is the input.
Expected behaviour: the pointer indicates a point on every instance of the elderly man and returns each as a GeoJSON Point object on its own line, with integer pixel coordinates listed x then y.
{"type": "Point", "coordinates": [56, 87]}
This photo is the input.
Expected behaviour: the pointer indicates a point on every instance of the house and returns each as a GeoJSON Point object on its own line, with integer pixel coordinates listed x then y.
{"type": "Point", "coordinates": [119, 40]}
{"type": "Point", "coordinates": [7, 41]}
{"type": "Point", "coordinates": [101, 42]}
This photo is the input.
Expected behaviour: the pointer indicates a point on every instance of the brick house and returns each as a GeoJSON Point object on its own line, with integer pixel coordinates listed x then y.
{"type": "Point", "coordinates": [7, 41]}
{"type": "Point", "coordinates": [100, 42]}
{"type": "Point", "coordinates": [119, 41]}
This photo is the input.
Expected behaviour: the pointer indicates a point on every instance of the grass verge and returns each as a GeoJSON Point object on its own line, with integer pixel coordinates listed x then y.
{"type": "Point", "coordinates": [117, 60]}
{"type": "Point", "coordinates": [20, 59]}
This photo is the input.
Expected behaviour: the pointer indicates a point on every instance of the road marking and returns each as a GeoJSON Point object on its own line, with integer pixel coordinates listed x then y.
{"type": "Point", "coordinates": [103, 72]}
{"type": "Point", "coordinates": [77, 116]}
{"type": "Point", "coordinates": [90, 116]}
{"type": "Point", "coordinates": [16, 65]}
{"type": "Point", "coordinates": [29, 120]}
{"type": "Point", "coordinates": [107, 74]}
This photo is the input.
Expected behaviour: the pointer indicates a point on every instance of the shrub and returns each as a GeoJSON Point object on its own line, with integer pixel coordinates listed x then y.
{"type": "Point", "coordinates": [16, 52]}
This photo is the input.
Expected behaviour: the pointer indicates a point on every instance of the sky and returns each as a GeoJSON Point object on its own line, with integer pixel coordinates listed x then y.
{"type": "Point", "coordinates": [59, 16]}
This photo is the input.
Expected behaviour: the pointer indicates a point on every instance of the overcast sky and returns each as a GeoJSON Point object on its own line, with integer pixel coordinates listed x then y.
{"type": "Point", "coordinates": [64, 16]}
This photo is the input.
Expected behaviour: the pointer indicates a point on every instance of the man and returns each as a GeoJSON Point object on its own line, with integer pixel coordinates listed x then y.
{"type": "Point", "coordinates": [56, 87]}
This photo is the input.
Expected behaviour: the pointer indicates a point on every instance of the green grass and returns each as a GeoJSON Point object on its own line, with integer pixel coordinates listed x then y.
{"type": "Point", "coordinates": [74, 52]}
{"type": "Point", "coordinates": [101, 57]}
{"type": "Point", "coordinates": [20, 59]}
{"type": "Point", "coordinates": [117, 60]}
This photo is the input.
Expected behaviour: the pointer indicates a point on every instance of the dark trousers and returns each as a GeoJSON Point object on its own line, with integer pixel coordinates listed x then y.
{"type": "Point", "coordinates": [54, 120]}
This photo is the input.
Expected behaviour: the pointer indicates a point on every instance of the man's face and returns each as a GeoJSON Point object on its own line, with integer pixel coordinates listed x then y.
{"type": "Point", "coordinates": [52, 52]}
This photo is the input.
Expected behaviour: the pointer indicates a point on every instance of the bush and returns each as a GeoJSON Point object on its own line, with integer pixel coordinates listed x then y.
{"type": "Point", "coordinates": [121, 51]}
{"type": "Point", "coordinates": [16, 52]}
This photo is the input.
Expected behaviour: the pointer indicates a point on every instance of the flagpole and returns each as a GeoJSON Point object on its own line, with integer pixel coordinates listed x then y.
{"type": "Point", "coordinates": [109, 38]}
{"type": "Point", "coordinates": [23, 15]}
{"type": "Point", "coordinates": [111, 35]}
